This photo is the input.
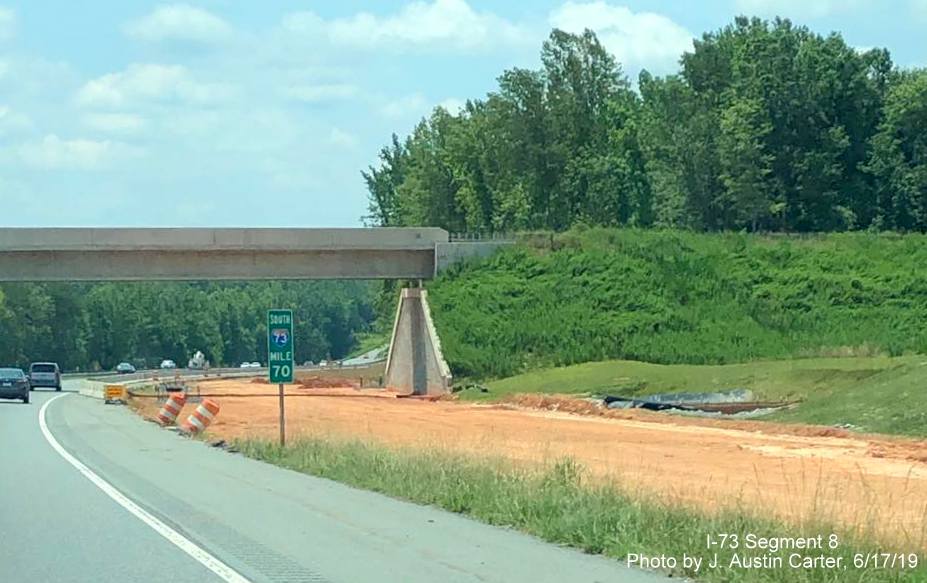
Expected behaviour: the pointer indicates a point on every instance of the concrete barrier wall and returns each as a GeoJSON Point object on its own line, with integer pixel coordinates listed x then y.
{"type": "Point", "coordinates": [447, 254]}
{"type": "Point", "coordinates": [95, 388]}
{"type": "Point", "coordinates": [416, 363]}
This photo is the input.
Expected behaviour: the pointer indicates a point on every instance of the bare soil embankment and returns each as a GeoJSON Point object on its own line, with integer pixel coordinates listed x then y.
{"type": "Point", "coordinates": [800, 474]}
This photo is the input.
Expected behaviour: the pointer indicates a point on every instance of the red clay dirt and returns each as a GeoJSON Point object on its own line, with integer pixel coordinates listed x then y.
{"type": "Point", "coordinates": [876, 485]}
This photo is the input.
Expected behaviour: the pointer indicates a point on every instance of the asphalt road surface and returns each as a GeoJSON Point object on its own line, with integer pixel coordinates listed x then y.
{"type": "Point", "coordinates": [100, 495]}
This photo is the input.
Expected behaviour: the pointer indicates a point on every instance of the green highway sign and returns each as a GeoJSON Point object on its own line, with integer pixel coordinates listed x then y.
{"type": "Point", "coordinates": [280, 346]}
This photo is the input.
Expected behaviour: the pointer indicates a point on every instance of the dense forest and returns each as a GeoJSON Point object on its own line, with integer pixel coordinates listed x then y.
{"type": "Point", "coordinates": [92, 326]}
{"type": "Point", "coordinates": [767, 127]}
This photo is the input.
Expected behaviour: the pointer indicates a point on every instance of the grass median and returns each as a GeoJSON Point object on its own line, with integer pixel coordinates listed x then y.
{"type": "Point", "coordinates": [559, 505]}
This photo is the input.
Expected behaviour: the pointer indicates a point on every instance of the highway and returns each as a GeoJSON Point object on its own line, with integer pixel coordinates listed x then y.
{"type": "Point", "coordinates": [100, 495]}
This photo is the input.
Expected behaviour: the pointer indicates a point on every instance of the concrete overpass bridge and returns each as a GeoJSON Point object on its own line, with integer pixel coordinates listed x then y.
{"type": "Point", "coordinates": [415, 361]}
{"type": "Point", "coordinates": [98, 254]}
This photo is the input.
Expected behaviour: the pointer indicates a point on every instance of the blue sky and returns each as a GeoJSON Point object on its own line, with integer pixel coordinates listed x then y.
{"type": "Point", "coordinates": [228, 113]}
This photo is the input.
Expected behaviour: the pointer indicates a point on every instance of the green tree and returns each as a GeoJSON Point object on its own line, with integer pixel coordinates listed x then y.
{"type": "Point", "coordinates": [382, 183]}
{"type": "Point", "coordinates": [678, 138]}
{"type": "Point", "coordinates": [899, 154]}
{"type": "Point", "coordinates": [745, 165]}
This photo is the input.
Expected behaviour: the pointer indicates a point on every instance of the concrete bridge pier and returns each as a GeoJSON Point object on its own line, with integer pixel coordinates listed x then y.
{"type": "Point", "coordinates": [415, 363]}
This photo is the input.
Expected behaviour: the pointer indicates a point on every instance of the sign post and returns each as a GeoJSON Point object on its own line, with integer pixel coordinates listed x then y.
{"type": "Point", "coordinates": [280, 356]}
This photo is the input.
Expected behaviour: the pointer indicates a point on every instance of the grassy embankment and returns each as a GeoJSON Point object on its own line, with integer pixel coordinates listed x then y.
{"type": "Point", "coordinates": [875, 394]}
{"type": "Point", "coordinates": [716, 311]}
{"type": "Point", "coordinates": [559, 506]}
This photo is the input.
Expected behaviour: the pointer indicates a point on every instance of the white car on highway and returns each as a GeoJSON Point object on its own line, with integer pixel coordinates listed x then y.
{"type": "Point", "coordinates": [45, 374]}
{"type": "Point", "coordinates": [168, 363]}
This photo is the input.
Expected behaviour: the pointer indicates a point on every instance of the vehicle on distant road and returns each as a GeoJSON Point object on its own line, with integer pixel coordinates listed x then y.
{"type": "Point", "coordinates": [198, 361]}
{"type": "Point", "coordinates": [14, 384]}
{"type": "Point", "coordinates": [168, 363]}
{"type": "Point", "coordinates": [255, 365]}
{"type": "Point", "coordinates": [323, 363]}
{"type": "Point", "coordinates": [45, 374]}
{"type": "Point", "coordinates": [125, 368]}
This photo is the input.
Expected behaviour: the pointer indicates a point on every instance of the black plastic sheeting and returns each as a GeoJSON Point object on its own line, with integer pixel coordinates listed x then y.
{"type": "Point", "coordinates": [628, 403]}
{"type": "Point", "coordinates": [678, 401]}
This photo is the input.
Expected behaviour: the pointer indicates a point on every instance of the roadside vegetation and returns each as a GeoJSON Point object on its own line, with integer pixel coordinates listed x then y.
{"type": "Point", "coordinates": [559, 505]}
{"type": "Point", "coordinates": [88, 326]}
{"type": "Point", "coordinates": [672, 297]}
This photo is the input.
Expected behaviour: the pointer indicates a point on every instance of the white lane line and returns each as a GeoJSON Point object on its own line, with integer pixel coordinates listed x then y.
{"type": "Point", "coordinates": [212, 563]}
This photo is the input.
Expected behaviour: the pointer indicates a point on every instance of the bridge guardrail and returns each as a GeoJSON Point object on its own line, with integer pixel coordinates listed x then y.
{"type": "Point", "coordinates": [92, 387]}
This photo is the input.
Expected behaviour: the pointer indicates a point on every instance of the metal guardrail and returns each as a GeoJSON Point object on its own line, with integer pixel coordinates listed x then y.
{"type": "Point", "coordinates": [480, 236]}
{"type": "Point", "coordinates": [157, 374]}
{"type": "Point", "coordinates": [88, 375]}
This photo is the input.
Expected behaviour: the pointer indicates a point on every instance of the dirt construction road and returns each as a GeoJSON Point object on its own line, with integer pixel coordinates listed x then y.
{"type": "Point", "coordinates": [868, 482]}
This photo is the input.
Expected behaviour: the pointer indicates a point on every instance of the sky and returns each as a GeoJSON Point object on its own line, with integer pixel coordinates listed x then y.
{"type": "Point", "coordinates": [230, 113]}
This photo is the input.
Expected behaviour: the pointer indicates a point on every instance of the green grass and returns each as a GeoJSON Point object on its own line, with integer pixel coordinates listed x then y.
{"type": "Point", "coordinates": [773, 380]}
{"type": "Point", "coordinates": [675, 297]}
{"type": "Point", "coordinates": [892, 401]}
{"type": "Point", "coordinates": [558, 506]}
{"type": "Point", "coordinates": [878, 394]}
{"type": "Point", "coordinates": [368, 341]}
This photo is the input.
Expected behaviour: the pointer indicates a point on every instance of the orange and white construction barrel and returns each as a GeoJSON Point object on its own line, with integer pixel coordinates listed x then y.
{"type": "Point", "coordinates": [202, 416]}
{"type": "Point", "coordinates": [171, 409]}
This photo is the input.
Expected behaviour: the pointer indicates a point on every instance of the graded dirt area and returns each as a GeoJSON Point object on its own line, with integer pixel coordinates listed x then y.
{"type": "Point", "coordinates": [800, 474]}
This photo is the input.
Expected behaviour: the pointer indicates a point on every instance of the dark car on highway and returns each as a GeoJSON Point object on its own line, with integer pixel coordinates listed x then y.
{"type": "Point", "coordinates": [14, 384]}
{"type": "Point", "coordinates": [45, 374]}
{"type": "Point", "coordinates": [125, 368]}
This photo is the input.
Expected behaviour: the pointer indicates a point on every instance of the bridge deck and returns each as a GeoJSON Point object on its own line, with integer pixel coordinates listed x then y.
{"type": "Point", "coordinates": [98, 254]}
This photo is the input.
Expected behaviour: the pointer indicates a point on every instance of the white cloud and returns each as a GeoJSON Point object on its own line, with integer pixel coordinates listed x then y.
{"type": "Point", "coordinates": [414, 105]}
{"type": "Point", "coordinates": [453, 105]}
{"type": "Point", "coordinates": [12, 122]}
{"type": "Point", "coordinates": [54, 153]}
{"type": "Point", "coordinates": [303, 23]}
{"type": "Point", "coordinates": [637, 39]}
{"type": "Point", "coordinates": [794, 8]}
{"type": "Point", "coordinates": [7, 23]}
{"type": "Point", "coordinates": [146, 82]}
{"type": "Point", "coordinates": [116, 123]}
{"type": "Point", "coordinates": [322, 93]}
{"type": "Point", "coordinates": [342, 138]}
{"type": "Point", "coordinates": [179, 22]}
{"type": "Point", "coordinates": [441, 24]}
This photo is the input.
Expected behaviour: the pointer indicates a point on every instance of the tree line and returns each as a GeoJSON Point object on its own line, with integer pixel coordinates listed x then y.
{"type": "Point", "coordinates": [766, 127]}
{"type": "Point", "coordinates": [94, 326]}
